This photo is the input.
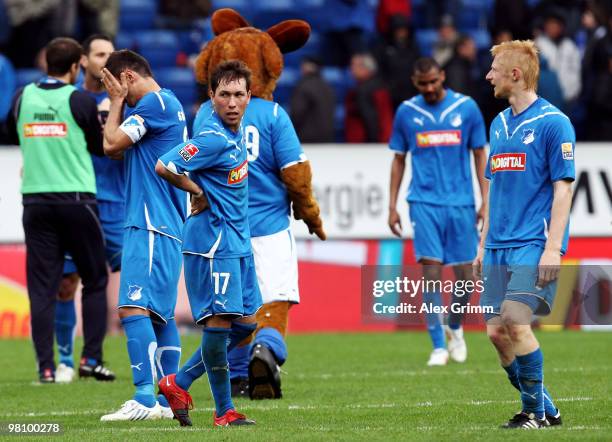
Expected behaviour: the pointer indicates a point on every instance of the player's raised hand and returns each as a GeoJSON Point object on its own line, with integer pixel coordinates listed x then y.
{"type": "Point", "coordinates": [395, 223]}
{"type": "Point", "coordinates": [117, 89]}
{"type": "Point", "coordinates": [477, 263]}
{"type": "Point", "coordinates": [548, 268]}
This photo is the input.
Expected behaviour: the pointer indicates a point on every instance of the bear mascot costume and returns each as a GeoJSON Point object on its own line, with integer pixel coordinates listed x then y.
{"type": "Point", "coordinates": [280, 178]}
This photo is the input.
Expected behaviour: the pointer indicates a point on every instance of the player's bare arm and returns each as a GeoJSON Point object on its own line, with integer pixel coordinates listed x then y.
{"type": "Point", "coordinates": [397, 173]}
{"type": "Point", "coordinates": [115, 140]}
{"type": "Point", "coordinates": [550, 261]}
{"type": "Point", "coordinates": [480, 163]}
{"type": "Point", "coordinates": [477, 263]}
{"type": "Point", "coordinates": [199, 203]}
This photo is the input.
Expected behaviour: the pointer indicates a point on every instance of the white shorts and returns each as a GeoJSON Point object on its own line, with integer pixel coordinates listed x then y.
{"type": "Point", "coordinates": [276, 266]}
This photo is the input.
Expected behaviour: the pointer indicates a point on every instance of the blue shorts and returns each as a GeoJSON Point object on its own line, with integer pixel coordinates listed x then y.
{"type": "Point", "coordinates": [112, 218]}
{"type": "Point", "coordinates": [151, 268]}
{"type": "Point", "coordinates": [221, 286]}
{"type": "Point", "coordinates": [446, 234]}
{"type": "Point", "coordinates": [510, 275]}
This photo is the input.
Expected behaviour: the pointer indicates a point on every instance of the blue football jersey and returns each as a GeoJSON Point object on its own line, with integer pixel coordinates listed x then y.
{"type": "Point", "coordinates": [110, 174]}
{"type": "Point", "coordinates": [155, 125]}
{"type": "Point", "coordinates": [439, 138]}
{"type": "Point", "coordinates": [272, 145]}
{"type": "Point", "coordinates": [216, 159]}
{"type": "Point", "coordinates": [529, 152]}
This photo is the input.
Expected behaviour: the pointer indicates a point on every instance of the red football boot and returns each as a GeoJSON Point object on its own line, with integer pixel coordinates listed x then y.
{"type": "Point", "coordinates": [231, 417]}
{"type": "Point", "coordinates": [179, 400]}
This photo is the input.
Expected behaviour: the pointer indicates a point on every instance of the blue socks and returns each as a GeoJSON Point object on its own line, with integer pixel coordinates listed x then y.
{"type": "Point", "coordinates": [194, 367]}
{"type": "Point", "coordinates": [168, 354]}
{"type": "Point", "coordinates": [434, 320]}
{"type": "Point", "coordinates": [238, 360]}
{"type": "Point", "coordinates": [141, 346]}
{"type": "Point", "coordinates": [531, 382]}
{"type": "Point", "coordinates": [513, 376]}
{"type": "Point", "coordinates": [271, 338]}
{"type": "Point", "coordinates": [214, 353]}
{"type": "Point", "coordinates": [65, 325]}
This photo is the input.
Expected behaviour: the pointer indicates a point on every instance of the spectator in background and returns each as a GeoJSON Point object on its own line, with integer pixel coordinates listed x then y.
{"type": "Point", "coordinates": [571, 10]}
{"type": "Point", "coordinates": [396, 56]}
{"type": "Point", "coordinates": [313, 103]}
{"type": "Point", "coordinates": [369, 115]}
{"type": "Point", "coordinates": [346, 27]}
{"type": "Point", "coordinates": [462, 71]}
{"type": "Point", "coordinates": [7, 89]}
{"type": "Point", "coordinates": [513, 16]}
{"type": "Point", "coordinates": [562, 55]}
{"type": "Point", "coordinates": [599, 98]}
{"type": "Point", "coordinates": [548, 84]}
{"type": "Point", "coordinates": [181, 14]}
{"type": "Point", "coordinates": [388, 10]}
{"type": "Point", "coordinates": [31, 23]}
{"type": "Point", "coordinates": [447, 39]}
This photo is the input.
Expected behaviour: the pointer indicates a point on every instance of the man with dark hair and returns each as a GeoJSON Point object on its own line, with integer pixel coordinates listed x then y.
{"type": "Point", "coordinates": [110, 184]}
{"type": "Point", "coordinates": [439, 127]}
{"type": "Point", "coordinates": [57, 127]}
{"type": "Point", "coordinates": [219, 268]}
{"type": "Point", "coordinates": [144, 122]}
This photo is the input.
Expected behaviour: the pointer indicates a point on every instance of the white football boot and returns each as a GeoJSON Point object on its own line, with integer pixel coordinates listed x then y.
{"type": "Point", "coordinates": [134, 411]}
{"type": "Point", "coordinates": [456, 344]}
{"type": "Point", "coordinates": [439, 356]}
{"type": "Point", "coordinates": [64, 374]}
{"type": "Point", "coordinates": [166, 412]}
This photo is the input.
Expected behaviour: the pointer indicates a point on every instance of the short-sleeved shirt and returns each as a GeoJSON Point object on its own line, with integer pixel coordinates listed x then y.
{"type": "Point", "coordinates": [110, 174]}
{"type": "Point", "coordinates": [439, 138]}
{"type": "Point", "coordinates": [529, 152]}
{"type": "Point", "coordinates": [272, 145]}
{"type": "Point", "coordinates": [155, 125]}
{"type": "Point", "coordinates": [216, 159]}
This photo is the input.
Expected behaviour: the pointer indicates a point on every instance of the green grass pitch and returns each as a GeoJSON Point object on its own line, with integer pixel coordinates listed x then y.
{"type": "Point", "coordinates": [341, 387]}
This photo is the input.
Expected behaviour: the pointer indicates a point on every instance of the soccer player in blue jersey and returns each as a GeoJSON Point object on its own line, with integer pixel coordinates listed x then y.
{"type": "Point", "coordinates": [144, 122]}
{"type": "Point", "coordinates": [276, 163]}
{"type": "Point", "coordinates": [110, 186]}
{"type": "Point", "coordinates": [439, 128]}
{"type": "Point", "coordinates": [219, 268]}
{"type": "Point", "coordinates": [525, 232]}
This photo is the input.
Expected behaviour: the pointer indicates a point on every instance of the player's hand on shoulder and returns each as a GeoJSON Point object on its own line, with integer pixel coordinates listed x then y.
{"type": "Point", "coordinates": [548, 268]}
{"type": "Point", "coordinates": [395, 223]}
{"type": "Point", "coordinates": [199, 203]}
{"type": "Point", "coordinates": [117, 88]}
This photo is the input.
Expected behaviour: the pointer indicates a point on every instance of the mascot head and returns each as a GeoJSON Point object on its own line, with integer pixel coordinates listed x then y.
{"type": "Point", "coordinates": [261, 51]}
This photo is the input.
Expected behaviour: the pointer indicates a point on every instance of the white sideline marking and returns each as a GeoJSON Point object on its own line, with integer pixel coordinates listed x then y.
{"type": "Point", "coordinates": [292, 407]}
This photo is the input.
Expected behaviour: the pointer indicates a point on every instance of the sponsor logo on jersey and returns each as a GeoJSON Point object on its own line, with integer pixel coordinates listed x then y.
{"type": "Point", "coordinates": [188, 152]}
{"type": "Point", "coordinates": [438, 138]}
{"type": "Point", "coordinates": [568, 152]}
{"type": "Point", "coordinates": [238, 173]}
{"type": "Point", "coordinates": [528, 136]}
{"type": "Point", "coordinates": [45, 130]}
{"type": "Point", "coordinates": [511, 162]}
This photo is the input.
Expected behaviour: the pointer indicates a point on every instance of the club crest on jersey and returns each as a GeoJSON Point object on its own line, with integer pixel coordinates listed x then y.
{"type": "Point", "coordinates": [568, 152]}
{"type": "Point", "coordinates": [438, 138]}
{"type": "Point", "coordinates": [188, 152]}
{"type": "Point", "coordinates": [45, 130]}
{"type": "Point", "coordinates": [508, 162]}
{"type": "Point", "coordinates": [455, 119]}
{"type": "Point", "coordinates": [528, 136]}
{"type": "Point", "coordinates": [238, 173]}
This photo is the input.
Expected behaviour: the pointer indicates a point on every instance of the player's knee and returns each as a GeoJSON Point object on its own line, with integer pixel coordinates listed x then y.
{"type": "Point", "coordinates": [68, 287]}
{"type": "Point", "coordinates": [498, 336]}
